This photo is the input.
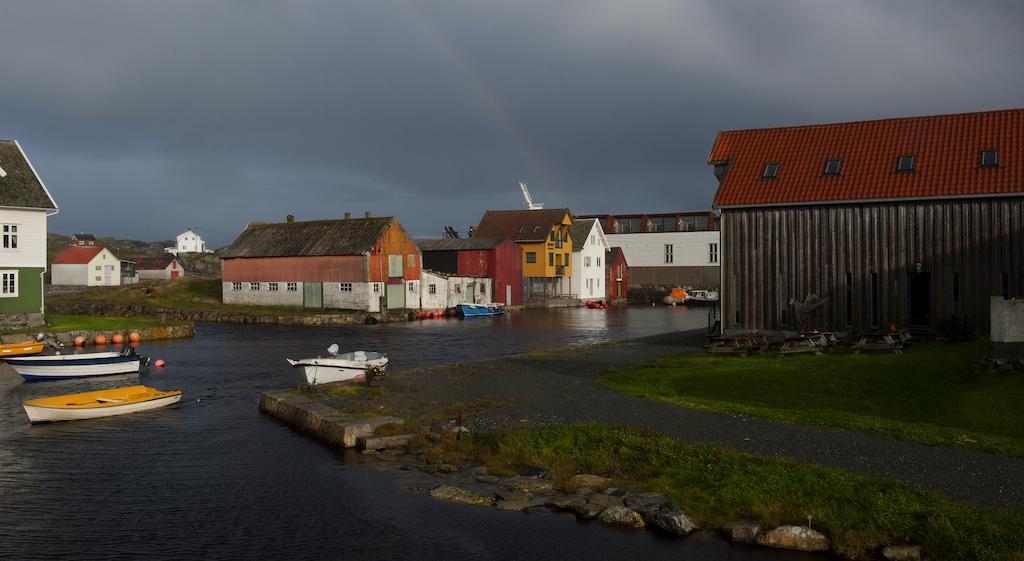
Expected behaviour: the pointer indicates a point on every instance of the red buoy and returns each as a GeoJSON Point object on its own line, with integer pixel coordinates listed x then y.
{"type": "Point", "coordinates": [117, 339]}
{"type": "Point", "coordinates": [159, 363]}
{"type": "Point", "coordinates": [79, 341]}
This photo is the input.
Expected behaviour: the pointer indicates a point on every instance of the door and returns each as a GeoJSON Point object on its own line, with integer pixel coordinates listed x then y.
{"type": "Point", "coordinates": [108, 275]}
{"type": "Point", "coordinates": [396, 296]}
{"type": "Point", "coordinates": [508, 295]}
{"type": "Point", "coordinates": [174, 274]}
{"type": "Point", "coordinates": [313, 294]}
{"type": "Point", "coordinates": [471, 293]}
{"type": "Point", "coordinates": [919, 297]}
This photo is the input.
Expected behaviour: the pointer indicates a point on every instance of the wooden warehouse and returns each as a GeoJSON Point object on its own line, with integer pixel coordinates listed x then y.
{"type": "Point", "coordinates": [498, 259]}
{"type": "Point", "coordinates": [914, 222]}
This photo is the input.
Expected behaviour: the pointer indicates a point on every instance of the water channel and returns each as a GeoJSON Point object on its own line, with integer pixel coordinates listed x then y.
{"type": "Point", "coordinates": [215, 479]}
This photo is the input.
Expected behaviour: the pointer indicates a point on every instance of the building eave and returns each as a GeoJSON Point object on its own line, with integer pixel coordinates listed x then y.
{"type": "Point", "coordinates": [872, 201]}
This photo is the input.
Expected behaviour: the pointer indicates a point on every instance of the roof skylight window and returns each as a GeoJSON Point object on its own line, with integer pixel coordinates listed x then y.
{"type": "Point", "coordinates": [989, 158]}
{"type": "Point", "coordinates": [905, 163]}
{"type": "Point", "coordinates": [832, 166]}
{"type": "Point", "coordinates": [771, 170]}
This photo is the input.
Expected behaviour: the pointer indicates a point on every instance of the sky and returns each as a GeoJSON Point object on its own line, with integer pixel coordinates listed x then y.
{"type": "Point", "coordinates": [146, 117]}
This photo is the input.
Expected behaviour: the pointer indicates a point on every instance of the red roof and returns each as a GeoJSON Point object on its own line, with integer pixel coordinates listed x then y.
{"type": "Point", "coordinates": [946, 149]}
{"type": "Point", "coordinates": [153, 263]}
{"type": "Point", "coordinates": [78, 255]}
{"type": "Point", "coordinates": [520, 225]}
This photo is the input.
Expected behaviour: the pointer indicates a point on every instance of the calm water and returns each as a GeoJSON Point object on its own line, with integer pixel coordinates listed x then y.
{"type": "Point", "coordinates": [218, 480]}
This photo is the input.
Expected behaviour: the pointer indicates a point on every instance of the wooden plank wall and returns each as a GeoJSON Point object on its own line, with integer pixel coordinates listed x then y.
{"type": "Point", "coordinates": [770, 255]}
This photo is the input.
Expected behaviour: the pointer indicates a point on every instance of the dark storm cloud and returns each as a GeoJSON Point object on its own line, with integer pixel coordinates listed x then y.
{"type": "Point", "coordinates": [145, 117]}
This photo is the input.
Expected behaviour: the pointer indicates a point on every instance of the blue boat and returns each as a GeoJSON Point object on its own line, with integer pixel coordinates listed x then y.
{"type": "Point", "coordinates": [85, 365]}
{"type": "Point", "coordinates": [478, 310]}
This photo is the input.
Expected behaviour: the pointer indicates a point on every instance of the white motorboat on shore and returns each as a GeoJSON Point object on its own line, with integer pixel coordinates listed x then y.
{"type": "Point", "coordinates": [339, 367]}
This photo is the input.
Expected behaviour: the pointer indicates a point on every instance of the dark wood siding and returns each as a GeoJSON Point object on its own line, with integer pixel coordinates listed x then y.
{"type": "Point", "coordinates": [770, 255]}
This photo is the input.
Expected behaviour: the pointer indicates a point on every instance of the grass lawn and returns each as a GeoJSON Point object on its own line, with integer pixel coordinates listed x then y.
{"type": "Point", "coordinates": [933, 393]}
{"type": "Point", "coordinates": [62, 322]}
{"type": "Point", "coordinates": [715, 485]}
{"type": "Point", "coordinates": [186, 294]}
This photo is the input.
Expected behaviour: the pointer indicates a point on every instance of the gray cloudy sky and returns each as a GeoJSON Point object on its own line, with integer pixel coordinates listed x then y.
{"type": "Point", "coordinates": [144, 117]}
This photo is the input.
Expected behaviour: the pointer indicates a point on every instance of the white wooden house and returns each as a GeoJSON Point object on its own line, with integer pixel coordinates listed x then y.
{"type": "Point", "coordinates": [85, 266]}
{"type": "Point", "coordinates": [24, 206]}
{"type": "Point", "coordinates": [589, 245]}
{"type": "Point", "coordinates": [188, 242]}
{"type": "Point", "coordinates": [444, 290]}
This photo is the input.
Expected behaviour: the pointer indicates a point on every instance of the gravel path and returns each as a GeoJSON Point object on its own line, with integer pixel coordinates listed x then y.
{"type": "Point", "coordinates": [549, 388]}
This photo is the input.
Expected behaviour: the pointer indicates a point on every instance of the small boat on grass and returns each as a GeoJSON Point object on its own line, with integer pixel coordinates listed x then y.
{"type": "Point", "coordinates": [84, 365]}
{"type": "Point", "coordinates": [22, 349]}
{"type": "Point", "coordinates": [103, 403]}
{"type": "Point", "coordinates": [340, 367]}
{"type": "Point", "coordinates": [478, 310]}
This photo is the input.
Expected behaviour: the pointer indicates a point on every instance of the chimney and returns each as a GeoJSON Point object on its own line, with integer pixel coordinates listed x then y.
{"type": "Point", "coordinates": [290, 218]}
{"type": "Point", "coordinates": [369, 214]}
{"type": "Point", "coordinates": [348, 216]}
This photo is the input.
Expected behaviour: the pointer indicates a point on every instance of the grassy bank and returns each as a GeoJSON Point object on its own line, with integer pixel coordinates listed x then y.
{"type": "Point", "coordinates": [59, 323]}
{"type": "Point", "coordinates": [934, 393]}
{"type": "Point", "coordinates": [185, 294]}
{"type": "Point", "coordinates": [715, 485]}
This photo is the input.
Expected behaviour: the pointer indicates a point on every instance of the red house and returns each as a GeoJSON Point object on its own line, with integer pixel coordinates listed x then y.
{"type": "Point", "coordinates": [496, 258]}
{"type": "Point", "coordinates": [617, 273]}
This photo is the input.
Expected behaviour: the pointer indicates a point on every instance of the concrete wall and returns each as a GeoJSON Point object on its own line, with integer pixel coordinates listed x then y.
{"type": "Point", "coordinates": [67, 274]}
{"type": "Point", "coordinates": [439, 299]}
{"type": "Point", "coordinates": [694, 277]}
{"type": "Point", "coordinates": [1007, 320]}
{"type": "Point", "coordinates": [356, 299]}
{"type": "Point", "coordinates": [450, 291]}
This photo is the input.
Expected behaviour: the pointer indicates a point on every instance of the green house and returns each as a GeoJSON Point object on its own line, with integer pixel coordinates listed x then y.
{"type": "Point", "coordinates": [25, 205]}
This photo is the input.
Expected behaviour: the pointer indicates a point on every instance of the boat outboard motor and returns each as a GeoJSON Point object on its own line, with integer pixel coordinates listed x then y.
{"type": "Point", "coordinates": [127, 350]}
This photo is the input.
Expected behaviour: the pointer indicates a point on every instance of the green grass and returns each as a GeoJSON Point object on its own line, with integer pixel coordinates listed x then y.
{"type": "Point", "coordinates": [62, 322]}
{"type": "Point", "coordinates": [186, 294]}
{"type": "Point", "coordinates": [934, 393]}
{"type": "Point", "coordinates": [715, 485]}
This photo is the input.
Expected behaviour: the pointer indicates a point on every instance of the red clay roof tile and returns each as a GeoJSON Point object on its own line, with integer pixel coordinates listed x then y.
{"type": "Point", "coordinates": [947, 150]}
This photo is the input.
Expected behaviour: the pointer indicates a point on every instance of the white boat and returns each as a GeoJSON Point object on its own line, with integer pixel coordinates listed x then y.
{"type": "Point", "coordinates": [84, 365]}
{"type": "Point", "coordinates": [103, 403]}
{"type": "Point", "coordinates": [701, 298]}
{"type": "Point", "coordinates": [340, 367]}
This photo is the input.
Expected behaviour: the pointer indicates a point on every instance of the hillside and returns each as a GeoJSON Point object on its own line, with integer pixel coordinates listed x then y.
{"type": "Point", "coordinates": [204, 265]}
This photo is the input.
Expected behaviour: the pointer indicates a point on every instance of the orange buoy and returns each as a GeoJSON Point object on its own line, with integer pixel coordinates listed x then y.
{"type": "Point", "coordinates": [134, 337]}
{"type": "Point", "coordinates": [117, 339]}
{"type": "Point", "coordinates": [79, 341]}
{"type": "Point", "coordinates": [100, 340]}
{"type": "Point", "coordinates": [159, 363]}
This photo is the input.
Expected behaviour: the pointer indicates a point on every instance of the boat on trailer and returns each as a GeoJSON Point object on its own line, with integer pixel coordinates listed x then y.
{"type": "Point", "coordinates": [103, 403]}
{"type": "Point", "coordinates": [83, 365]}
{"type": "Point", "coordinates": [339, 367]}
{"type": "Point", "coordinates": [478, 310]}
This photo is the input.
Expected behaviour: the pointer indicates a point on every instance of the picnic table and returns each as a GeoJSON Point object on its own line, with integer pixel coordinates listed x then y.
{"type": "Point", "coordinates": [885, 341]}
{"type": "Point", "coordinates": [736, 344]}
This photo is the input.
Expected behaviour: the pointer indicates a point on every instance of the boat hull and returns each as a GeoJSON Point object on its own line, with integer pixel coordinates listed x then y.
{"type": "Point", "coordinates": [61, 367]}
{"type": "Point", "coordinates": [40, 414]}
{"type": "Point", "coordinates": [326, 370]}
{"type": "Point", "coordinates": [478, 310]}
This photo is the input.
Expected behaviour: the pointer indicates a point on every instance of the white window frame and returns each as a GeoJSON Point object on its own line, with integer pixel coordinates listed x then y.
{"type": "Point", "coordinates": [586, 261]}
{"type": "Point", "coordinates": [431, 289]}
{"type": "Point", "coordinates": [376, 288]}
{"type": "Point", "coordinates": [598, 261]}
{"type": "Point", "coordinates": [236, 286]}
{"type": "Point", "coordinates": [254, 287]}
{"type": "Point", "coordinates": [10, 284]}
{"type": "Point", "coordinates": [345, 287]}
{"type": "Point", "coordinates": [10, 236]}
{"type": "Point", "coordinates": [412, 287]}
{"type": "Point", "coordinates": [669, 254]}
{"type": "Point", "coordinates": [272, 286]}
{"type": "Point", "coordinates": [713, 253]}
{"type": "Point", "coordinates": [293, 287]}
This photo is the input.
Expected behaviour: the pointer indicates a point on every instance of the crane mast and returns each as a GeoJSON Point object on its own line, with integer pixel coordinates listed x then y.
{"type": "Point", "coordinates": [529, 200]}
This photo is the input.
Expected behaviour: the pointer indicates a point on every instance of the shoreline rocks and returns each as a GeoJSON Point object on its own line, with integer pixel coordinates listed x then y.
{"type": "Point", "coordinates": [799, 538]}
{"type": "Point", "coordinates": [454, 494]}
{"type": "Point", "coordinates": [621, 516]}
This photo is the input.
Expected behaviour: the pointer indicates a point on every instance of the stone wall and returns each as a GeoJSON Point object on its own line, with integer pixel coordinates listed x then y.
{"type": "Point", "coordinates": [146, 334]}
{"type": "Point", "coordinates": [264, 296]}
{"type": "Point", "coordinates": [219, 316]}
{"type": "Point", "coordinates": [18, 321]}
{"type": "Point", "coordinates": [1007, 320]}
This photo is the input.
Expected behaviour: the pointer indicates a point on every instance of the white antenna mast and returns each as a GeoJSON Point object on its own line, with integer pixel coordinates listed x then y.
{"type": "Point", "coordinates": [529, 200]}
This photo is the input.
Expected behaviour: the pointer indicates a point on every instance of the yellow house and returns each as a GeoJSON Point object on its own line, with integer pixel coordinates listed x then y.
{"type": "Point", "coordinates": [544, 241]}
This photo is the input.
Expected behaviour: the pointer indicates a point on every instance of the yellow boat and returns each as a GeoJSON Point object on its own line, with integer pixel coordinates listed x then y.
{"type": "Point", "coordinates": [104, 403]}
{"type": "Point", "coordinates": [22, 349]}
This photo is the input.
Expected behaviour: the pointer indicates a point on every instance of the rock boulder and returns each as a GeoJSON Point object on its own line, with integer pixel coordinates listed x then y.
{"type": "Point", "coordinates": [587, 481]}
{"type": "Point", "coordinates": [794, 537]}
{"type": "Point", "coordinates": [742, 531]}
{"type": "Point", "coordinates": [621, 516]}
{"type": "Point", "coordinates": [902, 552]}
{"type": "Point", "coordinates": [672, 520]}
{"type": "Point", "coordinates": [457, 495]}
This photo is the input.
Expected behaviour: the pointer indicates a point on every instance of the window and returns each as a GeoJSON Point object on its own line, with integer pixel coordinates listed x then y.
{"type": "Point", "coordinates": [567, 259]}
{"type": "Point", "coordinates": [627, 225]}
{"type": "Point", "coordinates": [832, 166]}
{"type": "Point", "coordinates": [411, 260]}
{"type": "Point", "coordinates": [10, 284]}
{"type": "Point", "coordinates": [376, 288]}
{"type": "Point", "coordinates": [431, 289]}
{"type": "Point", "coordinates": [536, 229]}
{"type": "Point", "coordinates": [10, 232]}
{"type": "Point", "coordinates": [293, 287]}
{"type": "Point", "coordinates": [99, 268]}
{"type": "Point", "coordinates": [236, 286]}
{"type": "Point", "coordinates": [905, 163]}
{"type": "Point", "coordinates": [254, 286]}
{"type": "Point", "coordinates": [99, 279]}
{"type": "Point", "coordinates": [598, 261]}
{"type": "Point", "coordinates": [771, 170]}
{"type": "Point", "coordinates": [593, 239]}
{"type": "Point", "coordinates": [586, 261]}
{"type": "Point", "coordinates": [662, 224]}
{"type": "Point", "coordinates": [668, 253]}
{"type": "Point", "coordinates": [531, 257]}
{"type": "Point", "coordinates": [272, 286]}
{"type": "Point", "coordinates": [522, 229]}
{"type": "Point", "coordinates": [412, 287]}
{"type": "Point", "coordinates": [989, 159]}
{"type": "Point", "coordinates": [551, 260]}
{"type": "Point", "coordinates": [695, 223]}
{"type": "Point", "coordinates": [712, 253]}
{"type": "Point", "coordinates": [458, 289]}
{"type": "Point", "coordinates": [345, 286]}
{"type": "Point", "coordinates": [483, 288]}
